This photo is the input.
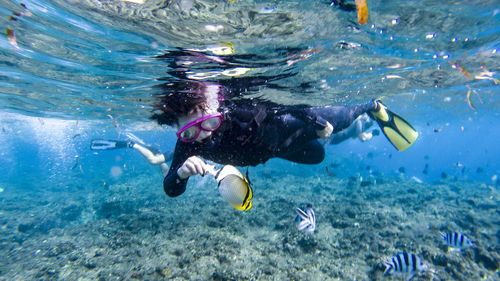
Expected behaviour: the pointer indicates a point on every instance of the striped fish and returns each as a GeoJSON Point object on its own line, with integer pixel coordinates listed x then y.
{"type": "Point", "coordinates": [306, 220]}
{"type": "Point", "coordinates": [236, 190]}
{"type": "Point", "coordinates": [405, 264]}
{"type": "Point", "coordinates": [456, 240]}
{"type": "Point", "coordinates": [233, 186]}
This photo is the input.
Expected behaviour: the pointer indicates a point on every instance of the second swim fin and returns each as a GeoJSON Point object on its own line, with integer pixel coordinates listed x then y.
{"type": "Point", "coordinates": [108, 144]}
{"type": "Point", "coordinates": [397, 130]}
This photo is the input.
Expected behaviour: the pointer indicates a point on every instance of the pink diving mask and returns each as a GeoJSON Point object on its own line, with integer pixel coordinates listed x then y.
{"type": "Point", "coordinates": [191, 131]}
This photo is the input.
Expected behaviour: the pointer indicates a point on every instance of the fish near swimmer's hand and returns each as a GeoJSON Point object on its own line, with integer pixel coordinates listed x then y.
{"type": "Point", "coordinates": [194, 165]}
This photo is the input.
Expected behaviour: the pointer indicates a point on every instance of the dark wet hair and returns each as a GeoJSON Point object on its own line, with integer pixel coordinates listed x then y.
{"type": "Point", "coordinates": [178, 99]}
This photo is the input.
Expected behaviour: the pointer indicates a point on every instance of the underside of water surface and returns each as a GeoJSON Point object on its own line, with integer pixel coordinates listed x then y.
{"type": "Point", "coordinates": [75, 71]}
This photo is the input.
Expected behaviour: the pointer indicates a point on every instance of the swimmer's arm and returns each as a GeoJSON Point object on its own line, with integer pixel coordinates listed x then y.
{"type": "Point", "coordinates": [164, 169]}
{"type": "Point", "coordinates": [173, 185]}
{"type": "Point", "coordinates": [155, 159]}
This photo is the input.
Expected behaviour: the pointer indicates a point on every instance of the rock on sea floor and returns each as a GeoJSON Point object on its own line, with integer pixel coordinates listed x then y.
{"type": "Point", "coordinates": [131, 231]}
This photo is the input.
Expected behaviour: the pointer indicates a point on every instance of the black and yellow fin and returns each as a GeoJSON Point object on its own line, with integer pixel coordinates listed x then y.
{"type": "Point", "coordinates": [244, 207]}
{"type": "Point", "coordinates": [397, 130]}
{"type": "Point", "coordinates": [247, 203]}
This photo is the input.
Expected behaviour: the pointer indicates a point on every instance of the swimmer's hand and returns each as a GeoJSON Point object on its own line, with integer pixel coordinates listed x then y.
{"type": "Point", "coordinates": [326, 132]}
{"type": "Point", "coordinates": [192, 166]}
{"type": "Point", "coordinates": [365, 136]}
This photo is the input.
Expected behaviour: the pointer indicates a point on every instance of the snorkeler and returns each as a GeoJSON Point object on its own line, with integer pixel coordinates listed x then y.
{"type": "Point", "coordinates": [246, 132]}
{"type": "Point", "coordinates": [153, 155]}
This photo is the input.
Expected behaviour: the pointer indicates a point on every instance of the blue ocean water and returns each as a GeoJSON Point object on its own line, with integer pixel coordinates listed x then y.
{"type": "Point", "coordinates": [74, 71]}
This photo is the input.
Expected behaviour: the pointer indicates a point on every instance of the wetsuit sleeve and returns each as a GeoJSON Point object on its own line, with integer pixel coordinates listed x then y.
{"type": "Point", "coordinates": [169, 155]}
{"type": "Point", "coordinates": [172, 183]}
{"type": "Point", "coordinates": [341, 117]}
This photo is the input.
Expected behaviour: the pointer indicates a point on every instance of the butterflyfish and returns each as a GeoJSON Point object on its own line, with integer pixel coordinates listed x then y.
{"type": "Point", "coordinates": [234, 187]}
{"type": "Point", "coordinates": [237, 192]}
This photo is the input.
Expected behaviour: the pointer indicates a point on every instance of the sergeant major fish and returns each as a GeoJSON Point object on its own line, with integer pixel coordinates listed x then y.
{"type": "Point", "coordinates": [404, 264]}
{"type": "Point", "coordinates": [456, 241]}
{"type": "Point", "coordinates": [306, 220]}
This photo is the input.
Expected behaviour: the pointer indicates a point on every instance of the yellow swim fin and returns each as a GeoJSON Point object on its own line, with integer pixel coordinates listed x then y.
{"type": "Point", "coordinates": [397, 130]}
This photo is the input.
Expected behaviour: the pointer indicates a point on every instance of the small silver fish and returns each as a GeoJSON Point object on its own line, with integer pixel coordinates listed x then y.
{"type": "Point", "coordinates": [306, 220]}
{"type": "Point", "coordinates": [404, 264]}
{"type": "Point", "coordinates": [456, 241]}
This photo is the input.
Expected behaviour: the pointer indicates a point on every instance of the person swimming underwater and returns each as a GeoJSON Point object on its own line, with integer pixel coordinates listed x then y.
{"type": "Point", "coordinates": [152, 155]}
{"type": "Point", "coordinates": [245, 132]}
{"type": "Point", "coordinates": [205, 101]}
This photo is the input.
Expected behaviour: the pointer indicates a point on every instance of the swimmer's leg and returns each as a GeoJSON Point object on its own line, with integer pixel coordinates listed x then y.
{"type": "Point", "coordinates": [342, 116]}
{"type": "Point", "coordinates": [310, 153]}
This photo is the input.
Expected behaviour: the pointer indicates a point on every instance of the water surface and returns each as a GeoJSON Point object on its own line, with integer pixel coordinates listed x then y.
{"type": "Point", "coordinates": [73, 71]}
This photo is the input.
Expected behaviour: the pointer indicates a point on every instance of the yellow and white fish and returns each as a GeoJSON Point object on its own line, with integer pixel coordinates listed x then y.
{"type": "Point", "coordinates": [233, 187]}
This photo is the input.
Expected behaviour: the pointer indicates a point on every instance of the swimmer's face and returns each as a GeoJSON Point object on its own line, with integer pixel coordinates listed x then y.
{"type": "Point", "coordinates": [191, 117]}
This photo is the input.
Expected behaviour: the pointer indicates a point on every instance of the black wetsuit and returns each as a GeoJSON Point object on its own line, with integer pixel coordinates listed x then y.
{"type": "Point", "coordinates": [252, 133]}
